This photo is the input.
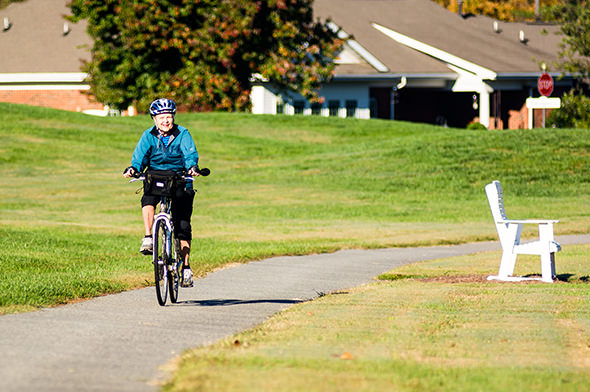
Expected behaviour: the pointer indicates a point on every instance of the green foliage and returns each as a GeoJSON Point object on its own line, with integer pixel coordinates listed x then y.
{"type": "Point", "coordinates": [574, 16]}
{"type": "Point", "coordinates": [6, 3]}
{"type": "Point", "coordinates": [574, 112]}
{"type": "Point", "coordinates": [203, 53]}
{"type": "Point", "coordinates": [506, 10]}
{"type": "Point", "coordinates": [476, 126]}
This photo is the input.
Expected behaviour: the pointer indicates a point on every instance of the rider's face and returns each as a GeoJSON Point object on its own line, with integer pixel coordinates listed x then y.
{"type": "Point", "coordinates": [164, 122]}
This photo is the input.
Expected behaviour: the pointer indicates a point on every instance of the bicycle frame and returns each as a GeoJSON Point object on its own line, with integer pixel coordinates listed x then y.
{"type": "Point", "coordinates": [171, 249]}
{"type": "Point", "coordinates": [164, 215]}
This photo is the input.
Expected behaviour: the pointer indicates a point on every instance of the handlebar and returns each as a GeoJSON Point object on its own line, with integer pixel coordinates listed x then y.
{"type": "Point", "coordinates": [200, 172]}
{"type": "Point", "coordinates": [204, 171]}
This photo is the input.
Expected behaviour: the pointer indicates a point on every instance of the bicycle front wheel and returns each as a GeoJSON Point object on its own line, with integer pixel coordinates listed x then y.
{"type": "Point", "coordinates": [174, 272]}
{"type": "Point", "coordinates": [160, 256]}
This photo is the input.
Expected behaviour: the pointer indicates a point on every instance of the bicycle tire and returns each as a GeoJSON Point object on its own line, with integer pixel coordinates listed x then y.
{"type": "Point", "coordinates": [174, 272]}
{"type": "Point", "coordinates": [160, 256]}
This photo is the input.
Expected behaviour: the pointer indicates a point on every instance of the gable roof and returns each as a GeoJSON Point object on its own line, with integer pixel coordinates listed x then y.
{"type": "Point", "coordinates": [471, 39]}
{"type": "Point", "coordinates": [35, 41]}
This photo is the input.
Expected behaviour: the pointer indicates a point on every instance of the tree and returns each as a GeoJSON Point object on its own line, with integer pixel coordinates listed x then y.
{"type": "Point", "coordinates": [6, 3]}
{"type": "Point", "coordinates": [203, 53]}
{"type": "Point", "coordinates": [506, 10]}
{"type": "Point", "coordinates": [574, 17]}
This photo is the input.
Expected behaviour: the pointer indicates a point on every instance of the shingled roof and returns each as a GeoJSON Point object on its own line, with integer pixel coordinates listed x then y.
{"type": "Point", "coordinates": [36, 41]}
{"type": "Point", "coordinates": [471, 38]}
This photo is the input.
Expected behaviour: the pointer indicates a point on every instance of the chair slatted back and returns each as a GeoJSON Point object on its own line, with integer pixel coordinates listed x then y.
{"type": "Point", "coordinates": [496, 200]}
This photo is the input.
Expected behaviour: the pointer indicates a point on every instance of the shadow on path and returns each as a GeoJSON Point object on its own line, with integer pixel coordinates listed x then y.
{"type": "Point", "coordinates": [229, 302]}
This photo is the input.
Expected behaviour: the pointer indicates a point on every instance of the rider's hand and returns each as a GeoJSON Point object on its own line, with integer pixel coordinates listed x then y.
{"type": "Point", "coordinates": [130, 172]}
{"type": "Point", "coordinates": [193, 171]}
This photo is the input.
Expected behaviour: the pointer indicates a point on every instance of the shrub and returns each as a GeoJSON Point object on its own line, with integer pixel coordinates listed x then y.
{"type": "Point", "coordinates": [574, 112]}
{"type": "Point", "coordinates": [476, 126]}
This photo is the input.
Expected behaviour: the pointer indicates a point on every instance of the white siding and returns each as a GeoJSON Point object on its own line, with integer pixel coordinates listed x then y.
{"type": "Point", "coordinates": [264, 101]}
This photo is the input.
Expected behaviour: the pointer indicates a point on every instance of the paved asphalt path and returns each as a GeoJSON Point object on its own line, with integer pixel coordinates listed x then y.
{"type": "Point", "coordinates": [119, 342]}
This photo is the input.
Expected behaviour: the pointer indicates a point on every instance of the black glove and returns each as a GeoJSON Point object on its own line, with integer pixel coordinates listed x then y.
{"type": "Point", "coordinates": [193, 170]}
{"type": "Point", "coordinates": [132, 171]}
{"type": "Point", "coordinates": [202, 172]}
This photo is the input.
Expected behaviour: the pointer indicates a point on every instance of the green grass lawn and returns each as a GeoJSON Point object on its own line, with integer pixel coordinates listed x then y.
{"type": "Point", "coordinates": [71, 224]}
{"type": "Point", "coordinates": [430, 326]}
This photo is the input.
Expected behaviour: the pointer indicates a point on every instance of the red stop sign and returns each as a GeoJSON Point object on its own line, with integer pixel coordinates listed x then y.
{"type": "Point", "coordinates": [545, 84]}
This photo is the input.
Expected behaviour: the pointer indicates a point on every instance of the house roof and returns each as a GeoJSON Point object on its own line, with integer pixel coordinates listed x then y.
{"type": "Point", "coordinates": [470, 38]}
{"type": "Point", "coordinates": [35, 41]}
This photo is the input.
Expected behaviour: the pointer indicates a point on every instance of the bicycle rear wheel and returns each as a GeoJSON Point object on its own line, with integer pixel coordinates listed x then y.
{"type": "Point", "coordinates": [174, 272]}
{"type": "Point", "coordinates": [160, 256]}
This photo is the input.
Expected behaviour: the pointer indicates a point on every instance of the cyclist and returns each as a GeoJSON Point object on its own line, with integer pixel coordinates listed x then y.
{"type": "Point", "coordinates": [167, 146]}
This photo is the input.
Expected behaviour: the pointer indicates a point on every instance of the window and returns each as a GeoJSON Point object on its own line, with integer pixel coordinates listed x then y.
{"type": "Point", "coordinates": [316, 108]}
{"type": "Point", "coordinates": [299, 106]}
{"type": "Point", "coordinates": [333, 106]}
{"type": "Point", "coordinates": [280, 108]}
{"type": "Point", "coordinates": [351, 108]}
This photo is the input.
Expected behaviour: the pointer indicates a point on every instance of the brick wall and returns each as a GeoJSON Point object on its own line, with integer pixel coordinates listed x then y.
{"type": "Point", "coordinates": [73, 100]}
{"type": "Point", "coordinates": [519, 119]}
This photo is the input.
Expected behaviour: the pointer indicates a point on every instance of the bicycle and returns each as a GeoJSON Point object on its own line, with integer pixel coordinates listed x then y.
{"type": "Point", "coordinates": [166, 247]}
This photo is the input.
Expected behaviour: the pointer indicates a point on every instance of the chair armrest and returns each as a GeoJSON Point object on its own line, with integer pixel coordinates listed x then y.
{"type": "Point", "coordinates": [533, 221]}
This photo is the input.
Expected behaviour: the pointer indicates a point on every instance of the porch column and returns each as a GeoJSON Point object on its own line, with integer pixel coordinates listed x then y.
{"type": "Point", "coordinates": [484, 107]}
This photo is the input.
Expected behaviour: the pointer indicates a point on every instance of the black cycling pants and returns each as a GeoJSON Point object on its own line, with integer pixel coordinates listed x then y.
{"type": "Point", "coordinates": [182, 210]}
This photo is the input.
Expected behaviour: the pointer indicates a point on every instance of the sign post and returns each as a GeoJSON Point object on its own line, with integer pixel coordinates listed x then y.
{"type": "Point", "coordinates": [541, 103]}
{"type": "Point", "coordinates": [545, 87]}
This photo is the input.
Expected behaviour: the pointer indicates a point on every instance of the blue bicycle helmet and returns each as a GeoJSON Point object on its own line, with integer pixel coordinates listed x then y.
{"type": "Point", "coordinates": [162, 105]}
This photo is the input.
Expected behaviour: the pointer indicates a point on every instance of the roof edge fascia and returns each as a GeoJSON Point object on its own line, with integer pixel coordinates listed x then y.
{"type": "Point", "coordinates": [439, 54]}
{"type": "Point", "coordinates": [556, 74]}
{"type": "Point", "coordinates": [358, 48]}
{"type": "Point", "coordinates": [389, 76]}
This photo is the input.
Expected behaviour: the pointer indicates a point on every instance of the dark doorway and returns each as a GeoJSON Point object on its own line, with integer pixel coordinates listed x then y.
{"type": "Point", "coordinates": [435, 106]}
{"type": "Point", "coordinates": [380, 102]}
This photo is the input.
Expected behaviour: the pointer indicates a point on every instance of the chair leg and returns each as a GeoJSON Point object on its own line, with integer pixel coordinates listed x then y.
{"type": "Point", "coordinates": [547, 266]}
{"type": "Point", "coordinates": [507, 264]}
{"type": "Point", "coordinates": [547, 257]}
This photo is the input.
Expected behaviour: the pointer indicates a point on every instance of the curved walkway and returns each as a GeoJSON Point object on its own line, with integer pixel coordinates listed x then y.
{"type": "Point", "coordinates": [118, 342]}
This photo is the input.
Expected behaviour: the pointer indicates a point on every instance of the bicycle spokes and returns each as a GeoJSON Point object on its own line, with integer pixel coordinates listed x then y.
{"type": "Point", "coordinates": [160, 257]}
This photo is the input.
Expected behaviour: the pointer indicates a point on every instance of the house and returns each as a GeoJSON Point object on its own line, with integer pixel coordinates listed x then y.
{"type": "Point", "coordinates": [409, 60]}
{"type": "Point", "coordinates": [41, 56]}
{"type": "Point", "coordinates": [414, 60]}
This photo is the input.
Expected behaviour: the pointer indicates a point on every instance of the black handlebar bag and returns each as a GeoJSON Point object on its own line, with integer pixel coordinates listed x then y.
{"type": "Point", "coordinates": [162, 183]}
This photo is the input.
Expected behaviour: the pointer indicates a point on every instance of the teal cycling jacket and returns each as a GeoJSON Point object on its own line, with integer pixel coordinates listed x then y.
{"type": "Point", "coordinates": [150, 152]}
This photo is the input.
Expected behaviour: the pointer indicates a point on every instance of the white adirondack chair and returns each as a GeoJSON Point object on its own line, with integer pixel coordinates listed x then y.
{"type": "Point", "coordinates": [509, 231]}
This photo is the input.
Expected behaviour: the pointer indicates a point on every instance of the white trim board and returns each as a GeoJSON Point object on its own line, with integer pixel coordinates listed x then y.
{"type": "Point", "coordinates": [358, 48]}
{"type": "Point", "coordinates": [33, 77]}
{"type": "Point", "coordinates": [45, 87]}
{"type": "Point", "coordinates": [446, 57]}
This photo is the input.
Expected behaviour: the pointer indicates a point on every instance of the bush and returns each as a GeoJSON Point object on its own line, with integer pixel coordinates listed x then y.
{"type": "Point", "coordinates": [476, 126]}
{"type": "Point", "coordinates": [574, 112]}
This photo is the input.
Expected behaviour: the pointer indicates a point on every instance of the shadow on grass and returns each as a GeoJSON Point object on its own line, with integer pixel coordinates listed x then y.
{"type": "Point", "coordinates": [572, 278]}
